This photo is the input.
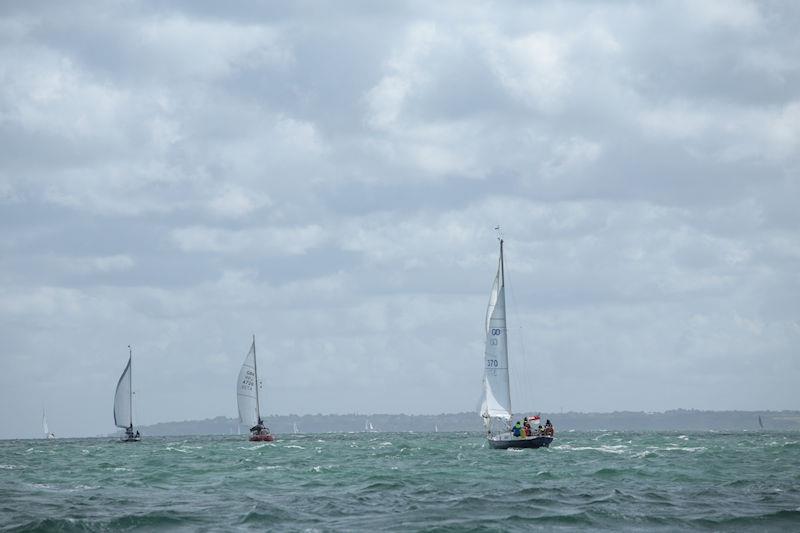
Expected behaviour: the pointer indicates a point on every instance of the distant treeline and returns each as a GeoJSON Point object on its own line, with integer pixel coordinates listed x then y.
{"type": "Point", "coordinates": [676, 420]}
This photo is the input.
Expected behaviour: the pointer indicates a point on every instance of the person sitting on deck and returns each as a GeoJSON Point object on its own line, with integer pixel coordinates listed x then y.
{"type": "Point", "coordinates": [548, 428]}
{"type": "Point", "coordinates": [517, 429]}
{"type": "Point", "coordinates": [541, 430]}
{"type": "Point", "coordinates": [259, 428]}
{"type": "Point", "coordinates": [528, 429]}
{"type": "Point", "coordinates": [137, 434]}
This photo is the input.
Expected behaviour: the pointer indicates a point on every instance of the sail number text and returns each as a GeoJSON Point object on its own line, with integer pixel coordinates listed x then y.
{"type": "Point", "coordinates": [492, 363]}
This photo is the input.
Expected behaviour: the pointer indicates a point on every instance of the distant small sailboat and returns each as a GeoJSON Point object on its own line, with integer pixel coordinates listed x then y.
{"type": "Point", "coordinates": [47, 433]}
{"type": "Point", "coordinates": [123, 402]}
{"type": "Point", "coordinates": [368, 427]}
{"type": "Point", "coordinates": [247, 397]}
{"type": "Point", "coordinates": [496, 389]}
{"type": "Point", "coordinates": [760, 423]}
{"type": "Point", "coordinates": [435, 428]}
{"type": "Point", "coordinates": [294, 428]}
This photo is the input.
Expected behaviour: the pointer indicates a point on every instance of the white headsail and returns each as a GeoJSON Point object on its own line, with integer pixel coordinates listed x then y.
{"type": "Point", "coordinates": [123, 398]}
{"type": "Point", "coordinates": [497, 395]}
{"type": "Point", "coordinates": [247, 391]}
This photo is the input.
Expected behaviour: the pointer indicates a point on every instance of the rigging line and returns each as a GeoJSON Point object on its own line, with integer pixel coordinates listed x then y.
{"type": "Point", "coordinates": [521, 380]}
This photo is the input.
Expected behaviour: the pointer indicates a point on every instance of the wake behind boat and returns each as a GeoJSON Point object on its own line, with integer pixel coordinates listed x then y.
{"type": "Point", "coordinates": [247, 397]}
{"type": "Point", "coordinates": [123, 403]}
{"type": "Point", "coordinates": [496, 388]}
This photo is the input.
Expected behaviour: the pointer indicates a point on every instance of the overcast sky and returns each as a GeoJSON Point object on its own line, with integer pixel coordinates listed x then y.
{"type": "Point", "coordinates": [327, 176]}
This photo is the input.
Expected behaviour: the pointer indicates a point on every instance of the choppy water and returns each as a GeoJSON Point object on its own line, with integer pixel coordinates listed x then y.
{"type": "Point", "coordinates": [393, 481]}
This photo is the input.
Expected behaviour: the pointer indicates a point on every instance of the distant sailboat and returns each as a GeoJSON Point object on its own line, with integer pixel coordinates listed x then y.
{"type": "Point", "coordinates": [47, 433]}
{"type": "Point", "coordinates": [435, 428]}
{"type": "Point", "coordinates": [247, 397]}
{"type": "Point", "coordinates": [760, 423]}
{"type": "Point", "coordinates": [294, 428]}
{"type": "Point", "coordinates": [123, 402]}
{"type": "Point", "coordinates": [496, 389]}
{"type": "Point", "coordinates": [368, 427]}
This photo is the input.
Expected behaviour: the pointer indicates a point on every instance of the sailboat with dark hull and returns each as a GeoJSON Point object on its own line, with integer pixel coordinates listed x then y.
{"type": "Point", "coordinates": [496, 404]}
{"type": "Point", "coordinates": [123, 403]}
{"type": "Point", "coordinates": [47, 433]}
{"type": "Point", "coordinates": [247, 397]}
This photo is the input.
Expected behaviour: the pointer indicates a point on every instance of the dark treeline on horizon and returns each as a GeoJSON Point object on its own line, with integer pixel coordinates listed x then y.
{"type": "Point", "coordinates": [675, 420]}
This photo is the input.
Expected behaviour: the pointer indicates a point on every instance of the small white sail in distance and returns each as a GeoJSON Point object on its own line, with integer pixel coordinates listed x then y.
{"type": "Point", "coordinates": [123, 398]}
{"type": "Point", "coordinates": [497, 394]}
{"type": "Point", "coordinates": [46, 429]}
{"type": "Point", "coordinates": [295, 430]}
{"type": "Point", "coordinates": [246, 390]}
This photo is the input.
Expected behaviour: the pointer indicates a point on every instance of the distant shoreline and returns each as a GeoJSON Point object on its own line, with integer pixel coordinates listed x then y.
{"type": "Point", "coordinates": [677, 419]}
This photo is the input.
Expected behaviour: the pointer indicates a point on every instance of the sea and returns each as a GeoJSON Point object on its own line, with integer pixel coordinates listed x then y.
{"type": "Point", "coordinates": [586, 481]}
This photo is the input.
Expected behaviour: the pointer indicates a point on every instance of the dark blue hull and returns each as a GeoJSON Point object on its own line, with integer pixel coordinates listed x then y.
{"type": "Point", "coordinates": [504, 443]}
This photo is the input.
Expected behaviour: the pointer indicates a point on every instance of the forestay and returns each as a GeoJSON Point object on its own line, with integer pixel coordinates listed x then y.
{"type": "Point", "coordinates": [123, 416]}
{"type": "Point", "coordinates": [497, 396]}
{"type": "Point", "coordinates": [246, 392]}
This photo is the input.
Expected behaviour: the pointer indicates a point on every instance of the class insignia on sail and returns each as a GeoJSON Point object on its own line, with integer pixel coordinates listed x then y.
{"type": "Point", "coordinates": [123, 403]}
{"type": "Point", "coordinates": [247, 396]}
{"type": "Point", "coordinates": [496, 404]}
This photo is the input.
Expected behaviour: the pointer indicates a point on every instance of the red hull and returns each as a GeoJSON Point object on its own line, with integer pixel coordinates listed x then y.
{"type": "Point", "coordinates": [262, 438]}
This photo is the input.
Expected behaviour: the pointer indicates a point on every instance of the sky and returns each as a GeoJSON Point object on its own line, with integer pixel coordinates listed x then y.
{"type": "Point", "coordinates": [327, 176]}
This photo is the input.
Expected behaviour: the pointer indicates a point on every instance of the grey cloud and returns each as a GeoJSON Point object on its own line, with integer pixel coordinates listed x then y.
{"type": "Point", "coordinates": [327, 176]}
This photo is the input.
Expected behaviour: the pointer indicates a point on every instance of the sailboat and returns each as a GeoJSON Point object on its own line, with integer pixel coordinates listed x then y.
{"type": "Point", "coordinates": [247, 396]}
{"type": "Point", "coordinates": [123, 403]}
{"type": "Point", "coordinates": [496, 403]}
{"type": "Point", "coordinates": [47, 433]}
{"type": "Point", "coordinates": [294, 428]}
{"type": "Point", "coordinates": [368, 427]}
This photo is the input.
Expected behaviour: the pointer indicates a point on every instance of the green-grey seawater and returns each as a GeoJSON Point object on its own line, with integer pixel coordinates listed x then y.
{"type": "Point", "coordinates": [404, 481]}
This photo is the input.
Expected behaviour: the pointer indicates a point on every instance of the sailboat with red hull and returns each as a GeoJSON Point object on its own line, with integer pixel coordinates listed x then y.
{"type": "Point", "coordinates": [248, 397]}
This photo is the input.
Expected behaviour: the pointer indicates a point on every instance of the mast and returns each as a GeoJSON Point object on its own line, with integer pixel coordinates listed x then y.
{"type": "Point", "coordinates": [130, 382]}
{"type": "Point", "coordinates": [502, 266]}
{"type": "Point", "coordinates": [503, 289]}
{"type": "Point", "coordinates": [255, 370]}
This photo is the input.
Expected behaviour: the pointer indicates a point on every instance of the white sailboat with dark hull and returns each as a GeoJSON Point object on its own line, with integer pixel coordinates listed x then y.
{"type": "Point", "coordinates": [47, 433]}
{"type": "Point", "coordinates": [496, 405]}
{"type": "Point", "coordinates": [247, 397]}
{"type": "Point", "coordinates": [123, 403]}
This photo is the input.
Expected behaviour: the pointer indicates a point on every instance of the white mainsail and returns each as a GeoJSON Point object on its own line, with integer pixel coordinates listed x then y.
{"type": "Point", "coordinates": [247, 391]}
{"type": "Point", "coordinates": [46, 430]}
{"type": "Point", "coordinates": [295, 430]}
{"type": "Point", "coordinates": [123, 398]}
{"type": "Point", "coordinates": [497, 394]}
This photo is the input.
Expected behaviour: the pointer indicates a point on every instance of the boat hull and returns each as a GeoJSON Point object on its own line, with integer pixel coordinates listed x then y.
{"type": "Point", "coordinates": [131, 439]}
{"type": "Point", "coordinates": [504, 443]}
{"type": "Point", "coordinates": [261, 438]}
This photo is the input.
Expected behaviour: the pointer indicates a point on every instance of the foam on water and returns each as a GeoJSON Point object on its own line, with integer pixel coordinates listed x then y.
{"type": "Point", "coordinates": [363, 482]}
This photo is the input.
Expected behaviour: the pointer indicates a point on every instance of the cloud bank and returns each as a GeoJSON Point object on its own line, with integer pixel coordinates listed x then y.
{"type": "Point", "coordinates": [326, 176]}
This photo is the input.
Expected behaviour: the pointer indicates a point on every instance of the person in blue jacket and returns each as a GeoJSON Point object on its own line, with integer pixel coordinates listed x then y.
{"type": "Point", "coordinates": [517, 430]}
